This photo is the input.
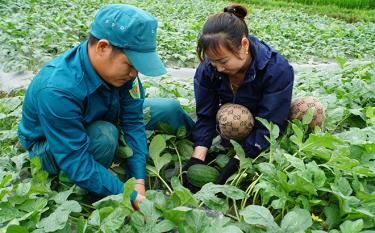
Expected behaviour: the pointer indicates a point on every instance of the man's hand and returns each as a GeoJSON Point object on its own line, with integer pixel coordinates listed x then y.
{"type": "Point", "coordinates": [140, 187]}
{"type": "Point", "coordinates": [137, 200]}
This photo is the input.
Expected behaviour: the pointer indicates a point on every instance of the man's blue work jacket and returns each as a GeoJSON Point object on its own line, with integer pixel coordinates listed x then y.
{"type": "Point", "coordinates": [266, 92]}
{"type": "Point", "coordinates": [65, 97]}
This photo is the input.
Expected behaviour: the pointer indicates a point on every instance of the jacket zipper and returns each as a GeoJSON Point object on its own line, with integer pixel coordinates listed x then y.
{"type": "Point", "coordinates": [234, 96]}
{"type": "Point", "coordinates": [235, 92]}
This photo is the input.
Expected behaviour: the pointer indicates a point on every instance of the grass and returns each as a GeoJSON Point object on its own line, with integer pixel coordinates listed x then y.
{"type": "Point", "coordinates": [351, 4]}
{"type": "Point", "coordinates": [350, 15]}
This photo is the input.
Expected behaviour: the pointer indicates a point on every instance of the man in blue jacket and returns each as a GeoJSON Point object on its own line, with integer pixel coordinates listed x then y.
{"type": "Point", "coordinates": [73, 106]}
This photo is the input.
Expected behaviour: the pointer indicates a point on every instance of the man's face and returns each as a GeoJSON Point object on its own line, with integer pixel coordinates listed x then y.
{"type": "Point", "coordinates": [111, 64]}
{"type": "Point", "coordinates": [117, 69]}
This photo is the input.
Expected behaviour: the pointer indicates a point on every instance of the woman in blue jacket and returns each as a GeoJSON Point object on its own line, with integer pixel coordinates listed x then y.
{"type": "Point", "coordinates": [237, 68]}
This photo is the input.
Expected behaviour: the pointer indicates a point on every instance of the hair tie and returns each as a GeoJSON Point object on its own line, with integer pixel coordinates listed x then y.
{"type": "Point", "coordinates": [234, 12]}
{"type": "Point", "coordinates": [231, 10]}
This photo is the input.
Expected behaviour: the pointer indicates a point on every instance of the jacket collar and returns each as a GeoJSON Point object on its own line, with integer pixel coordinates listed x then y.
{"type": "Point", "coordinates": [93, 79]}
{"type": "Point", "coordinates": [260, 51]}
{"type": "Point", "coordinates": [261, 54]}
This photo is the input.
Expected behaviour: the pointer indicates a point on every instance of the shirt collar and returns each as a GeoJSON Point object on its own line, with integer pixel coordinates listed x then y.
{"type": "Point", "coordinates": [93, 79]}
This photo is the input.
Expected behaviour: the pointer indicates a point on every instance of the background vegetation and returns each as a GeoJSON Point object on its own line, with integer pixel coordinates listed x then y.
{"type": "Point", "coordinates": [32, 32]}
{"type": "Point", "coordinates": [314, 181]}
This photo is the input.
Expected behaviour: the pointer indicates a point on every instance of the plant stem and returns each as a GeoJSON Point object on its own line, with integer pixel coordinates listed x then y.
{"type": "Point", "coordinates": [235, 209]}
{"type": "Point", "coordinates": [74, 219]}
{"type": "Point", "coordinates": [235, 178]}
{"type": "Point", "coordinates": [179, 160]}
{"type": "Point", "coordinates": [248, 191]}
{"type": "Point", "coordinates": [231, 216]}
{"type": "Point", "coordinates": [87, 206]}
{"type": "Point", "coordinates": [162, 180]}
{"type": "Point", "coordinates": [255, 197]}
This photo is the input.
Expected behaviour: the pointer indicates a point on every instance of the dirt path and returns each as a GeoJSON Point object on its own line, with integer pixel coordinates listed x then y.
{"type": "Point", "coordinates": [10, 81]}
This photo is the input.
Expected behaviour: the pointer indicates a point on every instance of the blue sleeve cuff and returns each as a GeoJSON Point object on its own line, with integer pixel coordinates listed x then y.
{"type": "Point", "coordinates": [133, 195]}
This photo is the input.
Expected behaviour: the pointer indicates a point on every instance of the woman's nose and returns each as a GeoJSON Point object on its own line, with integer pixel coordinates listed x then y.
{"type": "Point", "coordinates": [220, 68]}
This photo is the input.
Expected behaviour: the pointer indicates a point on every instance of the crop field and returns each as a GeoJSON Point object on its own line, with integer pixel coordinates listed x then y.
{"type": "Point", "coordinates": [312, 181]}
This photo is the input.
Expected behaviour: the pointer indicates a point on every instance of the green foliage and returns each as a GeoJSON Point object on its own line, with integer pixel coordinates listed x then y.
{"type": "Point", "coordinates": [297, 220]}
{"type": "Point", "coordinates": [320, 180]}
{"type": "Point", "coordinates": [33, 32]}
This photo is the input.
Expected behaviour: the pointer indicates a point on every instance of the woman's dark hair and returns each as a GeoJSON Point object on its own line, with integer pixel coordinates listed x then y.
{"type": "Point", "coordinates": [223, 29]}
{"type": "Point", "coordinates": [93, 40]}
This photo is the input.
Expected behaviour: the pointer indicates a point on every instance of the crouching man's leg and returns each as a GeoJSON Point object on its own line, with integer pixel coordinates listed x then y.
{"type": "Point", "coordinates": [103, 141]}
{"type": "Point", "coordinates": [103, 138]}
{"type": "Point", "coordinates": [167, 112]}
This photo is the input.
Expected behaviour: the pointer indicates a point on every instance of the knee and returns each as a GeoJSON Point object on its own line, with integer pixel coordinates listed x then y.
{"type": "Point", "coordinates": [171, 107]}
{"type": "Point", "coordinates": [104, 131]}
{"type": "Point", "coordinates": [163, 106]}
{"type": "Point", "coordinates": [103, 141]}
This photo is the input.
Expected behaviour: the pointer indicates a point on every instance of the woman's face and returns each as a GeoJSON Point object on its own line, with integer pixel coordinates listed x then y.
{"type": "Point", "coordinates": [227, 62]}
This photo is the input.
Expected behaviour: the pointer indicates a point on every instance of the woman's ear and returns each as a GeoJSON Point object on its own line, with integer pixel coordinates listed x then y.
{"type": "Point", "coordinates": [245, 43]}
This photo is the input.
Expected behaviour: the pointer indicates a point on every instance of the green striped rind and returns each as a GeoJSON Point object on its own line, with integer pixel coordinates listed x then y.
{"type": "Point", "coordinates": [200, 174]}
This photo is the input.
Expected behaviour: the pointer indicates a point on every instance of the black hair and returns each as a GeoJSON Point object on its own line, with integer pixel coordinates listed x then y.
{"type": "Point", "coordinates": [93, 40]}
{"type": "Point", "coordinates": [223, 29]}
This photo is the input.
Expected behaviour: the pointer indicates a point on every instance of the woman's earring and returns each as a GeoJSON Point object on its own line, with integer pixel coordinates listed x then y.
{"type": "Point", "coordinates": [247, 51]}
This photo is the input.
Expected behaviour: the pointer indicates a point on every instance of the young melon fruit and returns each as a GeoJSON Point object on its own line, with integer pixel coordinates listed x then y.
{"type": "Point", "coordinates": [200, 174]}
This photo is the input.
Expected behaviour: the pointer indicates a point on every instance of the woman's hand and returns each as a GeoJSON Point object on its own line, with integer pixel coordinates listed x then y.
{"type": "Point", "coordinates": [230, 168]}
{"type": "Point", "coordinates": [200, 153]}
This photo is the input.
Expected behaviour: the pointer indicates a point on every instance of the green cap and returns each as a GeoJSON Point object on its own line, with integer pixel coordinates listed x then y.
{"type": "Point", "coordinates": [133, 30]}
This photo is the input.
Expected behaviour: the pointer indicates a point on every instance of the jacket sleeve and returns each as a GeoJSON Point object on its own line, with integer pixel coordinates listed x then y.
{"type": "Point", "coordinates": [60, 116]}
{"type": "Point", "coordinates": [207, 104]}
{"type": "Point", "coordinates": [132, 124]}
{"type": "Point", "coordinates": [274, 105]}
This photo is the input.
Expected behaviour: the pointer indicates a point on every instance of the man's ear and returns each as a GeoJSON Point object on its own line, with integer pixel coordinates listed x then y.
{"type": "Point", "coordinates": [103, 48]}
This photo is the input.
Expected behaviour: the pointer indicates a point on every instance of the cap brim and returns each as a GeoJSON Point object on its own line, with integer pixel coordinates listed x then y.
{"type": "Point", "coordinates": [148, 64]}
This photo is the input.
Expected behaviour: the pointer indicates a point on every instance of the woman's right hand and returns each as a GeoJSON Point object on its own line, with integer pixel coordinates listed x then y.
{"type": "Point", "coordinates": [200, 152]}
